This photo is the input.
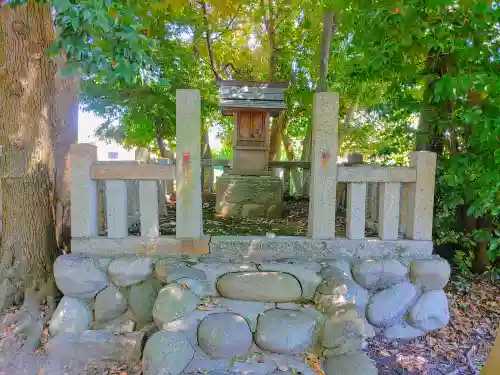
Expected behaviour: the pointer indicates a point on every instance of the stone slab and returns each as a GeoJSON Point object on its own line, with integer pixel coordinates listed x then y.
{"type": "Point", "coordinates": [136, 245]}
{"type": "Point", "coordinates": [260, 247]}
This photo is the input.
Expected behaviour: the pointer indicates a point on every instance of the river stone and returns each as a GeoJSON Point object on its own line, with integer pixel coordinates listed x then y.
{"type": "Point", "coordinates": [430, 274]}
{"type": "Point", "coordinates": [250, 310]}
{"type": "Point", "coordinates": [256, 364]}
{"type": "Point", "coordinates": [166, 353]}
{"type": "Point", "coordinates": [141, 298]}
{"type": "Point", "coordinates": [342, 326]}
{"type": "Point", "coordinates": [306, 273]}
{"type": "Point", "coordinates": [71, 315]}
{"type": "Point", "coordinates": [350, 364]}
{"type": "Point", "coordinates": [402, 331]}
{"type": "Point", "coordinates": [216, 269]}
{"type": "Point", "coordinates": [285, 331]}
{"type": "Point", "coordinates": [224, 335]}
{"type": "Point", "coordinates": [188, 324]}
{"type": "Point", "coordinates": [336, 269]}
{"type": "Point", "coordinates": [109, 304]}
{"type": "Point", "coordinates": [79, 277]}
{"type": "Point", "coordinates": [378, 274]}
{"type": "Point", "coordinates": [199, 287]}
{"type": "Point", "coordinates": [173, 302]}
{"type": "Point", "coordinates": [387, 306]}
{"type": "Point", "coordinates": [430, 312]}
{"type": "Point", "coordinates": [96, 346]}
{"type": "Point", "coordinates": [202, 362]}
{"type": "Point", "coordinates": [167, 271]}
{"type": "Point", "coordinates": [334, 293]}
{"type": "Point", "coordinates": [118, 326]}
{"type": "Point", "coordinates": [260, 286]}
{"type": "Point", "coordinates": [129, 271]}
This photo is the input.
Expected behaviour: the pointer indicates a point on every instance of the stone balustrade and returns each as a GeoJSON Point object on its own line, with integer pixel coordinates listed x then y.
{"type": "Point", "coordinates": [243, 304]}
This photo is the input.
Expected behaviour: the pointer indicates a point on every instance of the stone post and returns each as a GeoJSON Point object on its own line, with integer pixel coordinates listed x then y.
{"type": "Point", "coordinates": [188, 166]}
{"type": "Point", "coordinates": [149, 208]}
{"type": "Point", "coordinates": [84, 211]}
{"type": "Point", "coordinates": [420, 207]}
{"type": "Point", "coordinates": [117, 208]}
{"type": "Point", "coordinates": [388, 210]}
{"type": "Point", "coordinates": [324, 166]}
{"type": "Point", "coordinates": [356, 210]}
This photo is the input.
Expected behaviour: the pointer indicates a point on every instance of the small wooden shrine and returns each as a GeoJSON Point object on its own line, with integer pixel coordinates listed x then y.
{"type": "Point", "coordinates": [249, 189]}
{"type": "Point", "coordinates": [252, 104]}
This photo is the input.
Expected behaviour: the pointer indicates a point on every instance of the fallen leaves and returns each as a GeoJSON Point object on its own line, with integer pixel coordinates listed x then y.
{"type": "Point", "coordinates": [460, 346]}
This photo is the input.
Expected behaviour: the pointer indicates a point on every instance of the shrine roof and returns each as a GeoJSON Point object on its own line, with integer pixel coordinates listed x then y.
{"type": "Point", "coordinates": [252, 95]}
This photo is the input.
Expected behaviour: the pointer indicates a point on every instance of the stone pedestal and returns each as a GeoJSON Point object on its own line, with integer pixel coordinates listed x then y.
{"type": "Point", "coordinates": [249, 196]}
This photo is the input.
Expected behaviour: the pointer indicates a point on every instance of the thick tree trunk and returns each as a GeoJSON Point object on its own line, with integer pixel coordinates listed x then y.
{"type": "Point", "coordinates": [65, 134]}
{"type": "Point", "coordinates": [27, 90]}
{"type": "Point", "coordinates": [290, 155]}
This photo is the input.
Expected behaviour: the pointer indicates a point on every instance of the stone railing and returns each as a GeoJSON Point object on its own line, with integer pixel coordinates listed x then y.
{"type": "Point", "coordinates": [244, 304]}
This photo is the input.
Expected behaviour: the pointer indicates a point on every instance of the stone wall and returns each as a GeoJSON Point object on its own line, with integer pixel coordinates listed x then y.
{"type": "Point", "coordinates": [210, 315]}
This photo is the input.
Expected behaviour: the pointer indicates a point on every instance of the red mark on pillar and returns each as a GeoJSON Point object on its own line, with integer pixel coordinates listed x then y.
{"type": "Point", "coordinates": [185, 163]}
{"type": "Point", "coordinates": [324, 158]}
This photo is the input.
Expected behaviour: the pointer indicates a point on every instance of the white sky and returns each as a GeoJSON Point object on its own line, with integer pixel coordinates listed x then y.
{"type": "Point", "coordinates": [88, 123]}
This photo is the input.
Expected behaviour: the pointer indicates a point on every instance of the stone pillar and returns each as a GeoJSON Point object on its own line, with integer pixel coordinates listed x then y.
{"type": "Point", "coordinates": [324, 166]}
{"type": "Point", "coordinates": [116, 208]}
{"type": "Point", "coordinates": [403, 204]}
{"type": "Point", "coordinates": [84, 211]}
{"type": "Point", "coordinates": [420, 206]}
{"type": "Point", "coordinates": [149, 208]}
{"type": "Point", "coordinates": [286, 182]}
{"type": "Point", "coordinates": [188, 166]}
{"type": "Point", "coordinates": [388, 210]}
{"type": "Point", "coordinates": [356, 210]}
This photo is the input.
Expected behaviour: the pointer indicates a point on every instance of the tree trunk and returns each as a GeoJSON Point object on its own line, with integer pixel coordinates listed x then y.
{"type": "Point", "coordinates": [208, 173]}
{"type": "Point", "coordinates": [27, 89]}
{"type": "Point", "coordinates": [290, 155]}
{"type": "Point", "coordinates": [160, 142]}
{"type": "Point", "coordinates": [65, 134]}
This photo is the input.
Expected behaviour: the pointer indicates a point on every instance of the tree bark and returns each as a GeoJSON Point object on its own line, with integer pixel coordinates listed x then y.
{"type": "Point", "coordinates": [65, 134]}
{"type": "Point", "coordinates": [160, 142]}
{"type": "Point", "coordinates": [290, 155]}
{"type": "Point", "coordinates": [27, 91]}
{"type": "Point", "coordinates": [208, 173]}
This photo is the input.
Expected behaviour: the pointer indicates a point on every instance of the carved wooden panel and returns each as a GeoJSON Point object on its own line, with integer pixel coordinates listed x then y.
{"type": "Point", "coordinates": [251, 128]}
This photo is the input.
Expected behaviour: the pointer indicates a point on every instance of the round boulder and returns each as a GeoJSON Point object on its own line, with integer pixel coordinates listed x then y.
{"type": "Point", "coordinates": [285, 331]}
{"type": "Point", "coordinates": [430, 274]}
{"type": "Point", "coordinates": [260, 286]}
{"type": "Point", "coordinates": [224, 335]}
{"type": "Point", "coordinates": [141, 298]}
{"type": "Point", "coordinates": [71, 315]}
{"type": "Point", "coordinates": [379, 274]}
{"type": "Point", "coordinates": [387, 306]}
{"type": "Point", "coordinates": [79, 277]}
{"type": "Point", "coordinates": [430, 312]}
{"type": "Point", "coordinates": [343, 326]}
{"type": "Point", "coordinates": [334, 293]}
{"type": "Point", "coordinates": [173, 302]}
{"type": "Point", "coordinates": [350, 364]}
{"type": "Point", "coordinates": [110, 303]}
{"type": "Point", "coordinates": [166, 353]}
{"type": "Point", "coordinates": [130, 271]}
